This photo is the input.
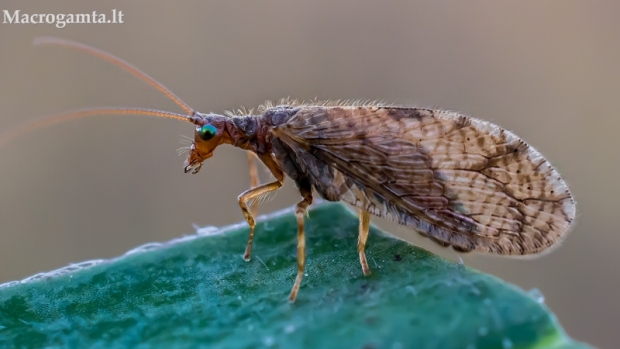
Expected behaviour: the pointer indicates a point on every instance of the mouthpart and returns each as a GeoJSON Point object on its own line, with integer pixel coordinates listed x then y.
{"type": "Point", "coordinates": [193, 166]}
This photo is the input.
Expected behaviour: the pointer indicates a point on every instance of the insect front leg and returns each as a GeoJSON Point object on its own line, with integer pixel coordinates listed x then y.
{"type": "Point", "coordinates": [255, 192]}
{"type": "Point", "coordinates": [361, 240]}
{"type": "Point", "coordinates": [305, 189]}
{"type": "Point", "coordinates": [243, 199]}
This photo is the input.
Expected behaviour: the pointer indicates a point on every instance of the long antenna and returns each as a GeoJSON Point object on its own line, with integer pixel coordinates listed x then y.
{"type": "Point", "coordinates": [117, 61]}
{"type": "Point", "coordinates": [13, 133]}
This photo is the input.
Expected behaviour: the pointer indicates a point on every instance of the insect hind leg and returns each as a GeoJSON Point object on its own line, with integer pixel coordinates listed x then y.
{"type": "Point", "coordinates": [364, 217]}
{"type": "Point", "coordinates": [305, 189]}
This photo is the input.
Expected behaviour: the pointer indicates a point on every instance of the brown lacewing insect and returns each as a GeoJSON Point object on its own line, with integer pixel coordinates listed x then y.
{"type": "Point", "coordinates": [460, 181]}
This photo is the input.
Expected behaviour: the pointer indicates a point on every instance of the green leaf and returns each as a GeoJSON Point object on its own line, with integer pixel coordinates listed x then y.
{"type": "Point", "coordinates": [198, 292]}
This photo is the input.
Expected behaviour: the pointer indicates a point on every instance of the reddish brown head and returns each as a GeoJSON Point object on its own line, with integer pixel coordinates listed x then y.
{"type": "Point", "coordinates": [211, 131]}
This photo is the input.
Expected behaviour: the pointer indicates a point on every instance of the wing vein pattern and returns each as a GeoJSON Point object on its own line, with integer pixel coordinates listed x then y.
{"type": "Point", "coordinates": [458, 180]}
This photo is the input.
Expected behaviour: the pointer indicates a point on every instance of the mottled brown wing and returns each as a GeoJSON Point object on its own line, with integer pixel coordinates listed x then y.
{"type": "Point", "coordinates": [460, 180]}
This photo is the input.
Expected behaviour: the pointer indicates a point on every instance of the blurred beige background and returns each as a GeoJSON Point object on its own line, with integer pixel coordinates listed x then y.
{"type": "Point", "coordinates": [97, 187]}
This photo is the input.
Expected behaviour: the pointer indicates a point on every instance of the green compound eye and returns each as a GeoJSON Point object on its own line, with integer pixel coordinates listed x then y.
{"type": "Point", "coordinates": [207, 132]}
